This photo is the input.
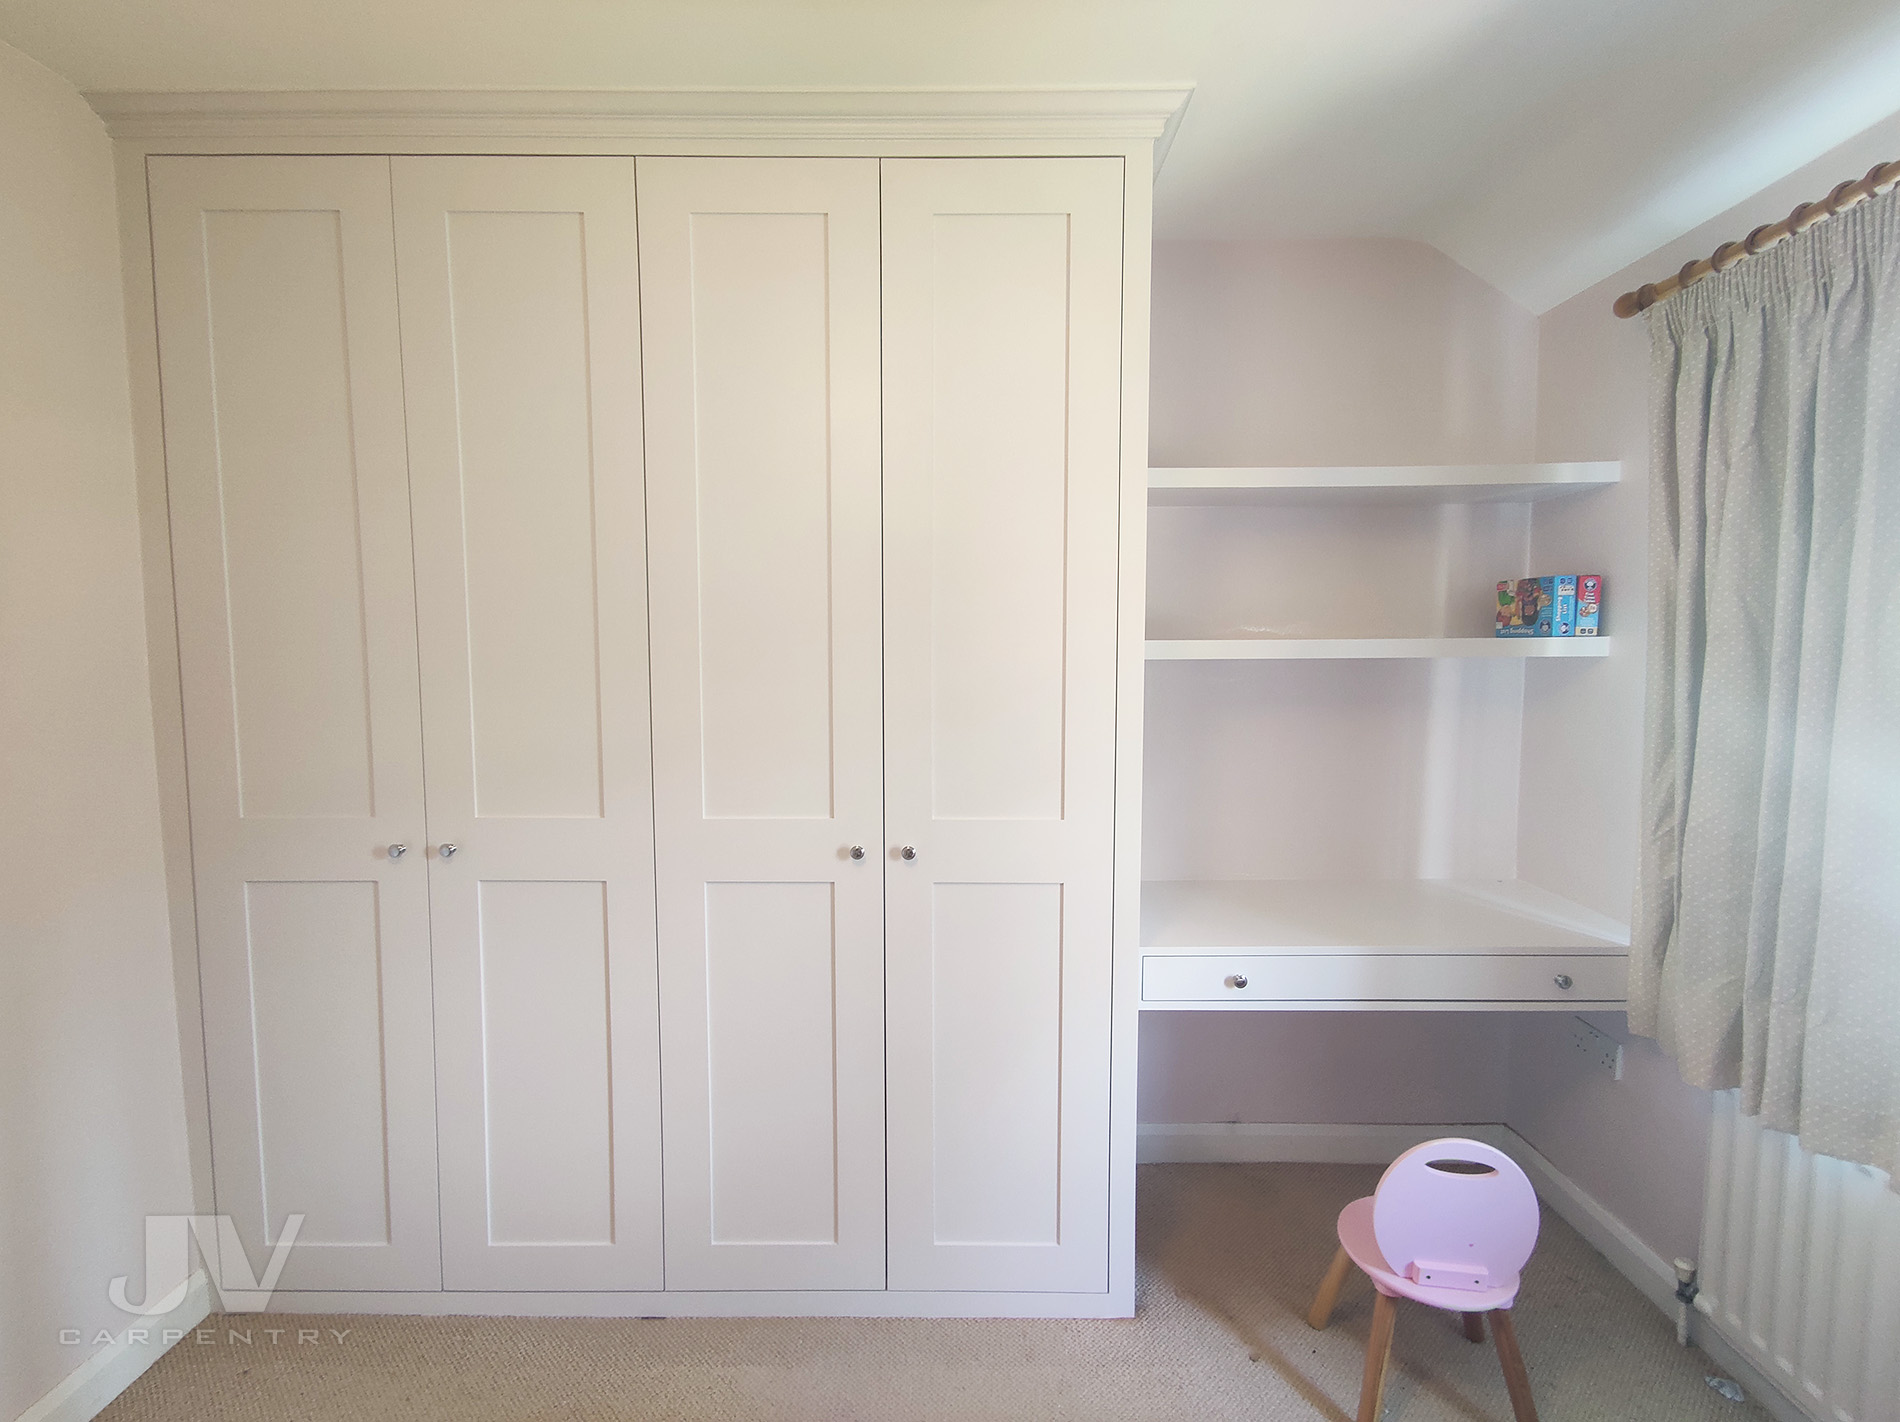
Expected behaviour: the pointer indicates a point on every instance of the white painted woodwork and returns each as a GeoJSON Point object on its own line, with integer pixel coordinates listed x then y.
{"type": "Point", "coordinates": [879, 407]}
{"type": "Point", "coordinates": [1338, 648]}
{"type": "Point", "coordinates": [1304, 981]}
{"type": "Point", "coordinates": [1371, 915]}
{"type": "Point", "coordinates": [1002, 321]}
{"type": "Point", "coordinates": [520, 332]}
{"type": "Point", "coordinates": [283, 422]}
{"type": "Point", "coordinates": [759, 284]}
{"type": "Point", "coordinates": [1066, 118]}
{"type": "Point", "coordinates": [1379, 484]}
{"type": "Point", "coordinates": [1355, 943]}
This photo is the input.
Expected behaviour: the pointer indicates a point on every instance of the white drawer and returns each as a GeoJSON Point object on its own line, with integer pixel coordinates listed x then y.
{"type": "Point", "coordinates": [1382, 977]}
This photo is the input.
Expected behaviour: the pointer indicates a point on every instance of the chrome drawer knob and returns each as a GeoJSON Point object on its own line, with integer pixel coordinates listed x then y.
{"type": "Point", "coordinates": [396, 851]}
{"type": "Point", "coordinates": [1237, 980]}
{"type": "Point", "coordinates": [1564, 981]}
{"type": "Point", "coordinates": [447, 851]}
{"type": "Point", "coordinates": [857, 851]}
{"type": "Point", "coordinates": [909, 851]}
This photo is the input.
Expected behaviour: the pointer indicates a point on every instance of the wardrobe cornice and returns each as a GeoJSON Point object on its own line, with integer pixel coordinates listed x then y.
{"type": "Point", "coordinates": [646, 119]}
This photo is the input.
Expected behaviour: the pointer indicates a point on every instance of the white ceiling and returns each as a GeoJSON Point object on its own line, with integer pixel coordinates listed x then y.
{"type": "Point", "coordinates": [1545, 144]}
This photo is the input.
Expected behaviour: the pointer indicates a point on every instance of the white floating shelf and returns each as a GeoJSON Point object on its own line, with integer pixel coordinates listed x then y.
{"type": "Point", "coordinates": [1391, 483]}
{"type": "Point", "coordinates": [1371, 916]}
{"type": "Point", "coordinates": [1212, 649]}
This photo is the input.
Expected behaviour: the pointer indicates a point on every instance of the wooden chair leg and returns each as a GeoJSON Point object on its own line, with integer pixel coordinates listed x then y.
{"type": "Point", "coordinates": [1516, 1380]}
{"type": "Point", "coordinates": [1321, 1313]}
{"type": "Point", "coordinates": [1385, 1316]}
{"type": "Point", "coordinates": [1474, 1327]}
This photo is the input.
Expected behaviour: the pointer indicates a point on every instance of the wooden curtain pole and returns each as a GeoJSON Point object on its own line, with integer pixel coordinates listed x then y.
{"type": "Point", "coordinates": [1880, 177]}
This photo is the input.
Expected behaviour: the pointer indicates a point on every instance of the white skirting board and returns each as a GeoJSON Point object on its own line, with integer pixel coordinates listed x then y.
{"type": "Point", "coordinates": [711, 1303]}
{"type": "Point", "coordinates": [1653, 1276]}
{"type": "Point", "coordinates": [136, 1345]}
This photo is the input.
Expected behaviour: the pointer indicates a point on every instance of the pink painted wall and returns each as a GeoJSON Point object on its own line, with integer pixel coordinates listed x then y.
{"type": "Point", "coordinates": [1323, 1068]}
{"type": "Point", "coordinates": [1349, 351]}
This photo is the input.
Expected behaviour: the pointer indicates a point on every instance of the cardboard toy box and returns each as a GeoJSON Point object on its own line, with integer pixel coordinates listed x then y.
{"type": "Point", "coordinates": [1589, 604]}
{"type": "Point", "coordinates": [1524, 607]}
{"type": "Point", "coordinates": [1563, 605]}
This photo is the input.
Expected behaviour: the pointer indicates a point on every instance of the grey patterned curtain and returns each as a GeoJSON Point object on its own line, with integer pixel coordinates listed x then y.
{"type": "Point", "coordinates": [1767, 919]}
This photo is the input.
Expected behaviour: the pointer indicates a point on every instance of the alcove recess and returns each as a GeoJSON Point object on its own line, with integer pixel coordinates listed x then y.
{"type": "Point", "coordinates": [1334, 741]}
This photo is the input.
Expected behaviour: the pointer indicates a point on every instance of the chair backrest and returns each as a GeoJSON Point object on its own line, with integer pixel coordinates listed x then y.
{"type": "Point", "coordinates": [1455, 1214]}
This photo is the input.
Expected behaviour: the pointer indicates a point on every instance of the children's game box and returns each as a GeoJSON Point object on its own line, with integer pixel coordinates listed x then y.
{"type": "Point", "coordinates": [1563, 605]}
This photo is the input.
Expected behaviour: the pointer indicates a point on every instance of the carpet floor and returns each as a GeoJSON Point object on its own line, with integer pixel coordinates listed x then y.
{"type": "Point", "coordinates": [1229, 1258]}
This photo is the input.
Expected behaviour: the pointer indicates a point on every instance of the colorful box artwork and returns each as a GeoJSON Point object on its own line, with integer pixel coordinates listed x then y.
{"type": "Point", "coordinates": [1563, 605]}
{"type": "Point", "coordinates": [1589, 604]}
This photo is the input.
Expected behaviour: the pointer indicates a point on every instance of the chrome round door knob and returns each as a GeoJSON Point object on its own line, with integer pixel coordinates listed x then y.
{"type": "Point", "coordinates": [857, 851]}
{"type": "Point", "coordinates": [396, 851]}
{"type": "Point", "coordinates": [447, 851]}
{"type": "Point", "coordinates": [909, 851]}
{"type": "Point", "coordinates": [1238, 980]}
{"type": "Point", "coordinates": [1564, 981]}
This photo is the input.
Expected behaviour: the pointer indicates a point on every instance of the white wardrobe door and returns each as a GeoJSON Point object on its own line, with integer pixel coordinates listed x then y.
{"type": "Point", "coordinates": [759, 294]}
{"type": "Point", "coordinates": [1002, 341]}
{"type": "Point", "coordinates": [520, 328]}
{"type": "Point", "coordinates": [289, 497]}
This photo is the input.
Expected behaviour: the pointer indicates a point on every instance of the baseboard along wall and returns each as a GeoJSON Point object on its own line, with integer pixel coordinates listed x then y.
{"type": "Point", "coordinates": [114, 1366]}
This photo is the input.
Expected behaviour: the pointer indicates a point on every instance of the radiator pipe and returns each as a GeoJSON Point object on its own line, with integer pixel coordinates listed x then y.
{"type": "Point", "coordinates": [1685, 1298]}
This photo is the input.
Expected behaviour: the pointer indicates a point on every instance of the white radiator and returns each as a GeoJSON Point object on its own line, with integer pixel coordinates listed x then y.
{"type": "Point", "coordinates": [1800, 1269]}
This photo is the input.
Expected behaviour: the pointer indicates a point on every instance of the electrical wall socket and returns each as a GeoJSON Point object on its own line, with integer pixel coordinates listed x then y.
{"type": "Point", "coordinates": [1597, 1050]}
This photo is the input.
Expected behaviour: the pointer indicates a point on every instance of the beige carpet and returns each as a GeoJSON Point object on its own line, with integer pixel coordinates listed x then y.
{"type": "Point", "coordinates": [1229, 1258]}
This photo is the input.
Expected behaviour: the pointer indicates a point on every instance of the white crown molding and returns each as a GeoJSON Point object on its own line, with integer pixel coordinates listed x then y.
{"type": "Point", "coordinates": [1130, 112]}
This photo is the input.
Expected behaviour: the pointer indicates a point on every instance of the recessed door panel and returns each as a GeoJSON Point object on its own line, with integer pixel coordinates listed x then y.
{"type": "Point", "coordinates": [998, 518]}
{"type": "Point", "coordinates": [520, 325]}
{"type": "Point", "coordinates": [772, 1048]}
{"type": "Point", "coordinates": [759, 293]}
{"type": "Point", "coordinates": [1002, 338]}
{"type": "Point", "coordinates": [545, 1059]}
{"type": "Point", "coordinates": [289, 501]}
{"type": "Point", "coordinates": [996, 1102]}
{"type": "Point", "coordinates": [287, 487]}
{"type": "Point", "coordinates": [761, 365]}
{"type": "Point", "coordinates": [315, 968]}
{"type": "Point", "coordinates": [518, 317]}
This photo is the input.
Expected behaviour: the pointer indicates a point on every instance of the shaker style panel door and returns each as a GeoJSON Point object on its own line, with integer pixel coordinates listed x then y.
{"type": "Point", "coordinates": [759, 296]}
{"type": "Point", "coordinates": [280, 366]}
{"type": "Point", "coordinates": [520, 334]}
{"type": "Point", "coordinates": [1002, 345]}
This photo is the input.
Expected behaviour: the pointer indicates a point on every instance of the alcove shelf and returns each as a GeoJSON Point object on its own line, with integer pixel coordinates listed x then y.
{"type": "Point", "coordinates": [1380, 729]}
{"type": "Point", "coordinates": [1350, 648]}
{"type": "Point", "coordinates": [1357, 943]}
{"type": "Point", "coordinates": [1391, 483]}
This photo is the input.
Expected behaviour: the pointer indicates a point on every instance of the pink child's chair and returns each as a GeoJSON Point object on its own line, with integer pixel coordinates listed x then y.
{"type": "Point", "coordinates": [1451, 1224]}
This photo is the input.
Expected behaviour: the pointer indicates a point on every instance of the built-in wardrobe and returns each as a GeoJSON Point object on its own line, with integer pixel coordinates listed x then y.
{"type": "Point", "coordinates": [657, 666]}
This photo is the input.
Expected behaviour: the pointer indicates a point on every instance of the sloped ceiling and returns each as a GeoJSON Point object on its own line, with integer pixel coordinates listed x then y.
{"type": "Point", "coordinates": [1544, 144]}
